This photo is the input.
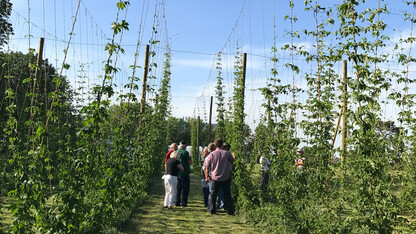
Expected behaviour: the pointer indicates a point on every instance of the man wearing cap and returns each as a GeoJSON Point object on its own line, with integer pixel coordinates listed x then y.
{"type": "Point", "coordinates": [219, 163]}
{"type": "Point", "coordinates": [183, 180]}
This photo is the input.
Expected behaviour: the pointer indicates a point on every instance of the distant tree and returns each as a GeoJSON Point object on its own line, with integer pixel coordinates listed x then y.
{"type": "Point", "coordinates": [5, 27]}
{"type": "Point", "coordinates": [178, 129]}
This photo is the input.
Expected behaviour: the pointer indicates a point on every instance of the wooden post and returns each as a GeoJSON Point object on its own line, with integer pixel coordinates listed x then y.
{"type": "Point", "coordinates": [37, 76]}
{"type": "Point", "coordinates": [39, 58]}
{"type": "Point", "coordinates": [197, 131]}
{"type": "Point", "coordinates": [197, 140]}
{"type": "Point", "coordinates": [336, 129]}
{"type": "Point", "coordinates": [244, 74]}
{"type": "Point", "coordinates": [244, 69]}
{"type": "Point", "coordinates": [210, 118]}
{"type": "Point", "coordinates": [344, 109]}
{"type": "Point", "coordinates": [146, 69]}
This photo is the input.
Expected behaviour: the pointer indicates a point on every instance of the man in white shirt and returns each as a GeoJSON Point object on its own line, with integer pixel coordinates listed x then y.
{"type": "Point", "coordinates": [265, 164]}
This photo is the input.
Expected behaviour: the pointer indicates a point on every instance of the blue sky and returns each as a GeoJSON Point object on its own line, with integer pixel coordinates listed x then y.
{"type": "Point", "coordinates": [197, 31]}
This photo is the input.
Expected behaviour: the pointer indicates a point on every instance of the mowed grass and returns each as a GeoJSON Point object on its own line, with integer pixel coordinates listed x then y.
{"type": "Point", "coordinates": [151, 217]}
{"type": "Point", "coordinates": [5, 214]}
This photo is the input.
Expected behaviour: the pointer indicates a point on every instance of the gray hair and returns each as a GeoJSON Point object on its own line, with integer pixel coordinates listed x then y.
{"type": "Point", "coordinates": [174, 154]}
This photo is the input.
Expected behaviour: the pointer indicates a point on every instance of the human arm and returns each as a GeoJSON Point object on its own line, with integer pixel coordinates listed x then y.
{"type": "Point", "coordinates": [206, 173]}
{"type": "Point", "coordinates": [190, 160]}
{"type": "Point", "coordinates": [180, 167]}
{"type": "Point", "coordinates": [231, 157]}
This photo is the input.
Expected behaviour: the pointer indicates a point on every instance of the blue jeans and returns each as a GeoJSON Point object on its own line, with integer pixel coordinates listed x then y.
{"type": "Point", "coordinates": [183, 186]}
{"type": "Point", "coordinates": [205, 190]}
{"type": "Point", "coordinates": [209, 195]}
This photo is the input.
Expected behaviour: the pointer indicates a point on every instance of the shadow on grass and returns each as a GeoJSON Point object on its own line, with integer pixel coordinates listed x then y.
{"type": "Point", "coordinates": [151, 217]}
{"type": "Point", "coordinates": [5, 214]}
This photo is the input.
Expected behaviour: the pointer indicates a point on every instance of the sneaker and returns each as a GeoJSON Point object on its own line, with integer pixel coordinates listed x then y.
{"type": "Point", "coordinates": [165, 207]}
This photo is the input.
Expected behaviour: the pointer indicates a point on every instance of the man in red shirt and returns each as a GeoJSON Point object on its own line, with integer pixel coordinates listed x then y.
{"type": "Point", "coordinates": [173, 147]}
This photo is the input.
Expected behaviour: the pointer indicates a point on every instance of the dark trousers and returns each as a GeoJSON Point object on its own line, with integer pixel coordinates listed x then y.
{"type": "Point", "coordinates": [183, 186]}
{"type": "Point", "coordinates": [205, 190]}
{"type": "Point", "coordinates": [225, 186]}
{"type": "Point", "coordinates": [264, 180]}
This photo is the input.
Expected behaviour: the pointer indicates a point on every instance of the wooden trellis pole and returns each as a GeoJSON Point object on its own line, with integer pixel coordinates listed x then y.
{"type": "Point", "coordinates": [344, 109]}
{"type": "Point", "coordinates": [210, 118]}
{"type": "Point", "coordinates": [197, 132]}
{"type": "Point", "coordinates": [146, 69]}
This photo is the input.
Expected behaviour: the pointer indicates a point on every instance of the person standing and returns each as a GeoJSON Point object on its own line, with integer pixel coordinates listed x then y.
{"type": "Point", "coordinates": [299, 160]}
{"type": "Point", "coordinates": [219, 163]}
{"type": "Point", "coordinates": [265, 165]}
{"type": "Point", "coordinates": [211, 148]}
{"type": "Point", "coordinates": [220, 198]}
{"type": "Point", "coordinates": [184, 180]}
{"type": "Point", "coordinates": [172, 167]}
{"type": "Point", "coordinates": [204, 183]}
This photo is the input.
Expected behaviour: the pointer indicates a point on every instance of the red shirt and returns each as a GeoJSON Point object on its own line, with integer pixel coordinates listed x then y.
{"type": "Point", "coordinates": [168, 155]}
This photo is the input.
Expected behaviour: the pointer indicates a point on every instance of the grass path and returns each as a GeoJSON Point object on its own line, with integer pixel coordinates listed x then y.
{"type": "Point", "coordinates": [151, 217]}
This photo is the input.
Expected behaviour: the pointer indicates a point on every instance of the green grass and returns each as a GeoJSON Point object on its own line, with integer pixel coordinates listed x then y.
{"type": "Point", "coordinates": [151, 217]}
{"type": "Point", "coordinates": [6, 215]}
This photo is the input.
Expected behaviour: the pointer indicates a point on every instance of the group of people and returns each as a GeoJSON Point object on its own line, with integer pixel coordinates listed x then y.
{"type": "Point", "coordinates": [216, 172]}
{"type": "Point", "coordinates": [176, 178]}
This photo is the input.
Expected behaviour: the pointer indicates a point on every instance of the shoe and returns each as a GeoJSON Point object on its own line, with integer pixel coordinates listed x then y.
{"type": "Point", "coordinates": [213, 213]}
{"type": "Point", "coordinates": [165, 207]}
{"type": "Point", "coordinates": [170, 208]}
{"type": "Point", "coordinates": [184, 206]}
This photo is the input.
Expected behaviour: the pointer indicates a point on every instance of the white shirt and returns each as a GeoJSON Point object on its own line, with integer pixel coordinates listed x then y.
{"type": "Point", "coordinates": [265, 163]}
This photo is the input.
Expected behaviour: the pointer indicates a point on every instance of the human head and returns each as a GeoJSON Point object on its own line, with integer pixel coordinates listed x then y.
{"type": "Point", "coordinates": [174, 154]}
{"type": "Point", "coordinates": [211, 147]}
{"type": "Point", "coordinates": [227, 146]}
{"type": "Point", "coordinates": [300, 151]}
{"type": "Point", "coordinates": [182, 145]}
{"type": "Point", "coordinates": [174, 146]}
{"type": "Point", "coordinates": [219, 142]}
{"type": "Point", "coordinates": [205, 152]}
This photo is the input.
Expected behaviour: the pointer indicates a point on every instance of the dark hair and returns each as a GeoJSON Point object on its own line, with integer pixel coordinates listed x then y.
{"type": "Point", "coordinates": [218, 142]}
{"type": "Point", "coordinates": [182, 143]}
{"type": "Point", "coordinates": [228, 146]}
